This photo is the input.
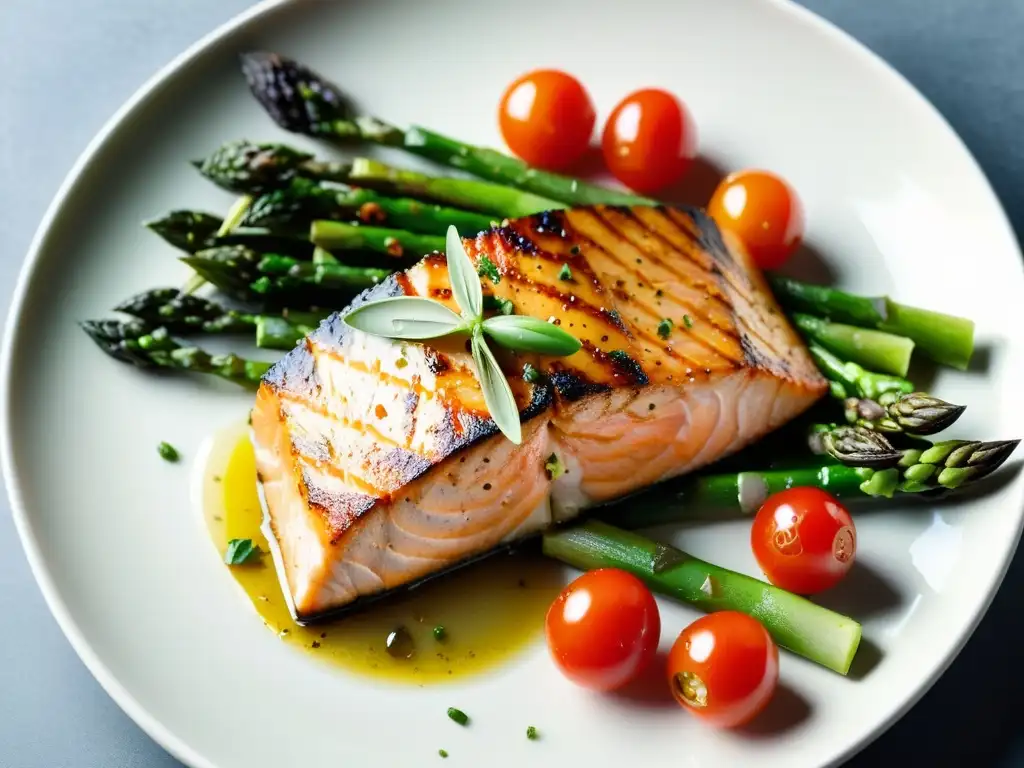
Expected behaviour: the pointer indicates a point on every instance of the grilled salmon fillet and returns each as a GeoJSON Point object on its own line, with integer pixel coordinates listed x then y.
{"type": "Point", "coordinates": [378, 462]}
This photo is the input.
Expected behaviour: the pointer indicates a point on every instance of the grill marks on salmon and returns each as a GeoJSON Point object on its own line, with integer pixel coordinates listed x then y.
{"type": "Point", "coordinates": [380, 465]}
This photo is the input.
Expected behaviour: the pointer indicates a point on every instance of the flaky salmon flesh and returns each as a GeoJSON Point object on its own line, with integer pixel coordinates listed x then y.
{"type": "Point", "coordinates": [379, 463]}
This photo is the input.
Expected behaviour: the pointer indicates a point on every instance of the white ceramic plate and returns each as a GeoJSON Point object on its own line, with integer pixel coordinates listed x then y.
{"type": "Point", "coordinates": [894, 203]}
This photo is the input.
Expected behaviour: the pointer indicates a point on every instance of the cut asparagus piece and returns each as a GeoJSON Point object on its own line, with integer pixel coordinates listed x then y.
{"type": "Point", "coordinates": [136, 344]}
{"type": "Point", "coordinates": [301, 101]}
{"type": "Point", "coordinates": [337, 236]}
{"type": "Point", "coordinates": [484, 196]}
{"type": "Point", "coordinates": [931, 470]}
{"type": "Point", "coordinates": [944, 338]}
{"type": "Point", "coordinates": [795, 623]}
{"type": "Point", "coordinates": [879, 351]}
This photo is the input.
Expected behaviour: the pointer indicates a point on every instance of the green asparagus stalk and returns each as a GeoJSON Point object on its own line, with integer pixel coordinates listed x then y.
{"type": "Point", "coordinates": [338, 236]}
{"type": "Point", "coordinates": [823, 636]}
{"type": "Point", "coordinates": [853, 380]}
{"type": "Point", "coordinates": [936, 469]}
{"type": "Point", "coordinates": [944, 338]}
{"type": "Point", "coordinates": [189, 231]}
{"type": "Point", "coordinates": [475, 195]}
{"type": "Point", "coordinates": [300, 202]}
{"type": "Point", "coordinates": [186, 314]}
{"type": "Point", "coordinates": [281, 280]}
{"type": "Point", "coordinates": [301, 101]}
{"type": "Point", "coordinates": [154, 349]}
{"type": "Point", "coordinates": [880, 351]}
{"type": "Point", "coordinates": [253, 169]}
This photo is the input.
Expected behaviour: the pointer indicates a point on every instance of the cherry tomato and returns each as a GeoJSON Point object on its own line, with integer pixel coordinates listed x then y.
{"type": "Point", "coordinates": [603, 629]}
{"type": "Point", "coordinates": [763, 211]}
{"type": "Point", "coordinates": [724, 668]}
{"type": "Point", "coordinates": [804, 540]}
{"type": "Point", "coordinates": [649, 141]}
{"type": "Point", "coordinates": [547, 118]}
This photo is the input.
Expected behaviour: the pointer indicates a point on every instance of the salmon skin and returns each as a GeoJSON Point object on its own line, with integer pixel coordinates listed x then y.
{"type": "Point", "coordinates": [380, 466]}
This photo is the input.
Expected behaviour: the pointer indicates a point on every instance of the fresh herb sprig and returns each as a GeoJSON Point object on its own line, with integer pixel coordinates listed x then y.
{"type": "Point", "coordinates": [415, 318]}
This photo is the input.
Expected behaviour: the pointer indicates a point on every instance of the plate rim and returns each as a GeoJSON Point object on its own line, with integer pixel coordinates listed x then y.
{"type": "Point", "coordinates": [152, 726]}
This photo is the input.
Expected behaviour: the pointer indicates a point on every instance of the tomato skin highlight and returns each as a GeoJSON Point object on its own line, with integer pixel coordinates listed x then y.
{"type": "Point", "coordinates": [724, 668]}
{"type": "Point", "coordinates": [804, 540]}
{"type": "Point", "coordinates": [649, 141]}
{"type": "Point", "coordinates": [603, 629]}
{"type": "Point", "coordinates": [547, 118]}
{"type": "Point", "coordinates": [764, 211]}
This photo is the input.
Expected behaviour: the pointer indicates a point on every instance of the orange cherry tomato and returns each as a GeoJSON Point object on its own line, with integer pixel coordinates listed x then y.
{"type": "Point", "coordinates": [804, 540]}
{"type": "Point", "coordinates": [763, 211]}
{"type": "Point", "coordinates": [724, 668]}
{"type": "Point", "coordinates": [649, 141]}
{"type": "Point", "coordinates": [603, 629]}
{"type": "Point", "coordinates": [547, 118]}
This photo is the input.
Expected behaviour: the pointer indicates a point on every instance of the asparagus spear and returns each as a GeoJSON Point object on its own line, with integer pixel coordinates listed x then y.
{"type": "Point", "coordinates": [885, 403]}
{"type": "Point", "coordinates": [183, 314]}
{"type": "Point", "coordinates": [944, 338]}
{"type": "Point", "coordinates": [282, 280]}
{"type": "Point", "coordinates": [816, 633]}
{"type": "Point", "coordinates": [936, 469]}
{"type": "Point", "coordinates": [884, 352]}
{"type": "Point", "coordinates": [338, 236]}
{"type": "Point", "coordinates": [189, 231]}
{"type": "Point", "coordinates": [253, 169]}
{"type": "Point", "coordinates": [301, 101]}
{"type": "Point", "coordinates": [482, 196]}
{"type": "Point", "coordinates": [136, 344]}
{"type": "Point", "coordinates": [300, 202]}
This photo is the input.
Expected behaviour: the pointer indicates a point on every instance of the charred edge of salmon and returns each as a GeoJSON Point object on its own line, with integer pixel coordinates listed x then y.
{"type": "Point", "coordinates": [527, 543]}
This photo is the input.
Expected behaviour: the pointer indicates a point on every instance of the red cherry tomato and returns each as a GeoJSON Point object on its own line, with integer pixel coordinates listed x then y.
{"type": "Point", "coordinates": [763, 211]}
{"type": "Point", "coordinates": [649, 141]}
{"type": "Point", "coordinates": [724, 668]}
{"type": "Point", "coordinates": [804, 540]}
{"type": "Point", "coordinates": [547, 118]}
{"type": "Point", "coordinates": [603, 629]}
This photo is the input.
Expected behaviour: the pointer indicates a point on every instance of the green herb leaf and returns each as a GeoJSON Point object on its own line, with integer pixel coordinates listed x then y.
{"type": "Point", "coordinates": [531, 733]}
{"type": "Point", "coordinates": [565, 273]}
{"type": "Point", "coordinates": [503, 306]}
{"type": "Point", "coordinates": [687, 321]}
{"type": "Point", "coordinates": [442, 752]}
{"type": "Point", "coordinates": [530, 334]}
{"type": "Point", "coordinates": [240, 551]}
{"type": "Point", "coordinates": [497, 393]}
{"type": "Point", "coordinates": [530, 374]}
{"type": "Point", "coordinates": [167, 452]}
{"type": "Point", "coordinates": [554, 467]}
{"type": "Point", "coordinates": [404, 317]}
{"type": "Point", "coordinates": [487, 268]}
{"type": "Point", "coordinates": [465, 283]}
{"type": "Point", "coordinates": [665, 328]}
{"type": "Point", "coordinates": [458, 715]}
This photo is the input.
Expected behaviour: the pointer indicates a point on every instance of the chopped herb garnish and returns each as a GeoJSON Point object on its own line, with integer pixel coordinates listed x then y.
{"type": "Point", "coordinates": [554, 467]}
{"type": "Point", "coordinates": [614, 315]}
{"type": "Point", "coordinates": [575, 250]}
{"type": "Point", "coordinates": [487, 268]}
{"type": "Point", "coordinates": [442, 752]}
{"type": "Point", "coordinates": [400, 363]}
{"type": "Point", "coordinates": [167, 452]}
{"type": "Point", "coordinates": [240, 551]}
{"type": "Point", "coordinates": [665, 328]}
{"type": "Point", "coordinates": [687, 321]}
{"type": "Point", "coordinates": [565, 273]}
{"type": "Point", "coordinates": [440, 633]}
{"type": "Point", "coordinates": [458, 716]}
{"type": "Point", "coordinates": [503, 306]}
{"type": "Point", "coordinates": [659, 293]}
{"type": "Point", "coordinates": [530, 374]}
{"type": "Point", "coordinates": [531, 733]}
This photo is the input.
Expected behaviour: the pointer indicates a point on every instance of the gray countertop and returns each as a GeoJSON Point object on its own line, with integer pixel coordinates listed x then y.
{"type": "Point", "coordinates": [65, 67]}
